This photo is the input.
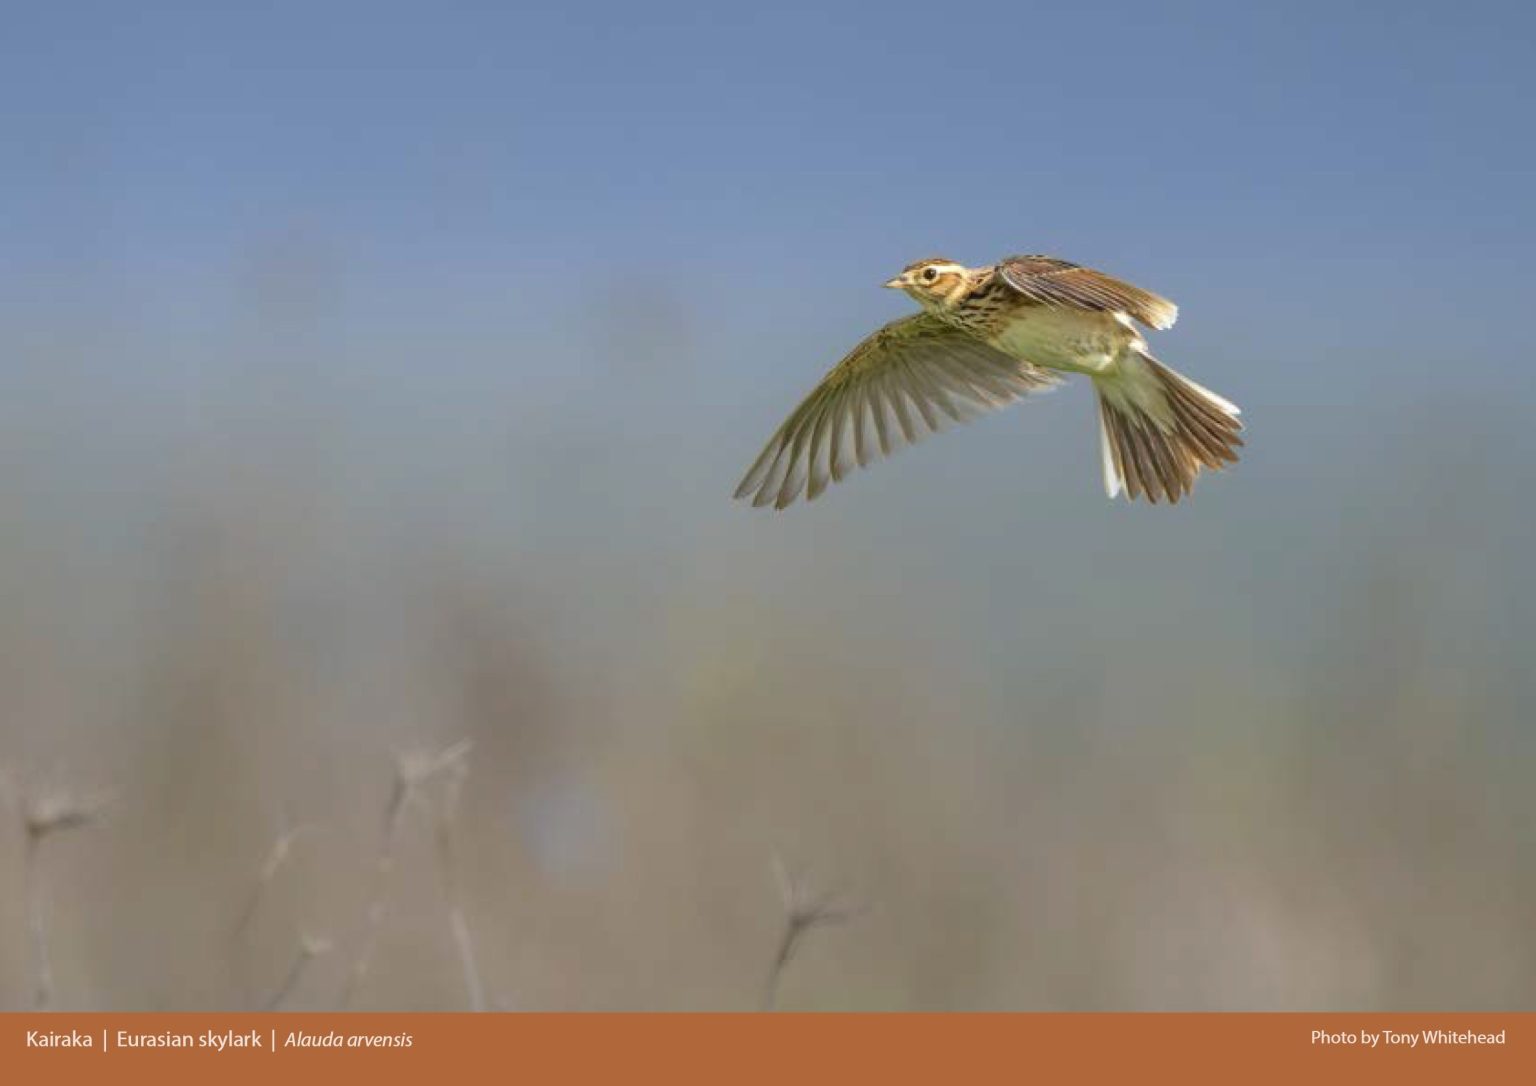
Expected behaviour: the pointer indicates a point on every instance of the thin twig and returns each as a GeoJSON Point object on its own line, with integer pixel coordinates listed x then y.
{"type": "Point", "coordinates": [45, 813]}
{"type": "Point", "coordinates": [277, 855]}
{"type": "Point", "coordinates": [447, 813]}
{"type": "Point", "coordinates": [376, 902]}
{"type": "Point", "coordinates": [412, 771]}
{"type": "Point", "coordinates": [310, 948]}
{"type": "Point", "coordinates": [37, 926]}
{"type": "Point", "coordinates": [803, 910]}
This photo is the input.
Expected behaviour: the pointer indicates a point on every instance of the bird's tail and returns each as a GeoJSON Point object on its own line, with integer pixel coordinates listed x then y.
{"type": "Point", "coordinates": [1158, 428]}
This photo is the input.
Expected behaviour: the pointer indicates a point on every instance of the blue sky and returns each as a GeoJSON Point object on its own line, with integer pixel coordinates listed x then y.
{"type": "Point", "coordinates": [466, 198]}
{"type": "Point", "coordinates": [661, 137]}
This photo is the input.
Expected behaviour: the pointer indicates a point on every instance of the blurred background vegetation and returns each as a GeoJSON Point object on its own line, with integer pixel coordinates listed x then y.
{"type": "Point", "coordinates": [373, 382]}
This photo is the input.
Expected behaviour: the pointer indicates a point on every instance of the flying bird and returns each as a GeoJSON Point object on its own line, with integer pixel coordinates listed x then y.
{"type": "Point", "coordinates": [985, 338]}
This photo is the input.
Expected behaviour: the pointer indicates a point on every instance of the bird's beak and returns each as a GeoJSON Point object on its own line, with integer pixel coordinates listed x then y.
{"type": "Point", "coordinates": [898, 283]}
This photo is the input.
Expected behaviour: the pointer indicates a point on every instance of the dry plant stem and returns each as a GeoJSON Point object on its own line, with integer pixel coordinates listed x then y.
{"type": "Point", "coordinates": [787, 941]}
{"type": "Point", "coordinates": [466, 948]}
{"type": "Point", "coordinates": [46, 813]}
{"type": "Point", "coordinates": [796, 927]}
{"type": "Point", "coordinates": [309, 950]}
{"type": "Point", "coordinates": [393, 818]}
{"type": "Point", "coordinates": [802, 912]}
{"type": "Point", "coordinates": [457, 925]}
{"type": "Point", "coordinates": [276, 857]}
{"type": "Point", "coordinates": [411, 773]}
{"type": "Point", "coordinates": [37, 923]}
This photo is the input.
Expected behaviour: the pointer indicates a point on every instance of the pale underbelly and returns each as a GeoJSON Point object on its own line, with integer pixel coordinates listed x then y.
{"type": "Point", "coordinates": [1066, 339]}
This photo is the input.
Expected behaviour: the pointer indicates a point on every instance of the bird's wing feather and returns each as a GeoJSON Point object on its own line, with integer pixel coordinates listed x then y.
{"type": "Point", "coordinates": [1049, 281]}
{"type": "Point", "coordinates": [911, 378]}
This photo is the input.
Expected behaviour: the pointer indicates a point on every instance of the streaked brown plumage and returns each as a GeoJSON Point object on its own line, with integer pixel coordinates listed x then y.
{"type": "Point", "coordinates": [990, 336]}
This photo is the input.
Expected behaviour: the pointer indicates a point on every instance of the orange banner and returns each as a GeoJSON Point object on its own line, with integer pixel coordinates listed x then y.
{"type": "Point", "coordinates": [781, 1049]}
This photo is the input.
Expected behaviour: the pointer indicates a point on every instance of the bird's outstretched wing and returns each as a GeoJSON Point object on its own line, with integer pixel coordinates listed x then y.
{"type": "Point", "coordinates": [1049, 281]}
{"type": "Point", "coordinates": [907, 380]}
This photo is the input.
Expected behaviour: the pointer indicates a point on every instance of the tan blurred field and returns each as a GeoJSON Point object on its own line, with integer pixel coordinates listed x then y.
{"type": "Point", "coordinates": [1268, 750]}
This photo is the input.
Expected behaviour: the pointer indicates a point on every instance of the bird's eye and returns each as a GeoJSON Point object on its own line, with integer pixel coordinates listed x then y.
{"type": "Point", "coordinates": [930, 274]}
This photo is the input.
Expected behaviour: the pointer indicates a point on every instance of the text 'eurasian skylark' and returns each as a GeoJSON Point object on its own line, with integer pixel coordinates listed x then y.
{"type": "Point", "coordinates": [985, 338]}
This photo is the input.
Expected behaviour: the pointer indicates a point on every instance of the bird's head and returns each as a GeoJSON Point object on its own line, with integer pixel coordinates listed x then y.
{"type": "Point", "coordinates": [935, 283]}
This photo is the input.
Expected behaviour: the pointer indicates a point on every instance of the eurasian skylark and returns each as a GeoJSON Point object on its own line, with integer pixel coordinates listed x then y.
{"type": "Point", "coordinates": [985, 338]}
